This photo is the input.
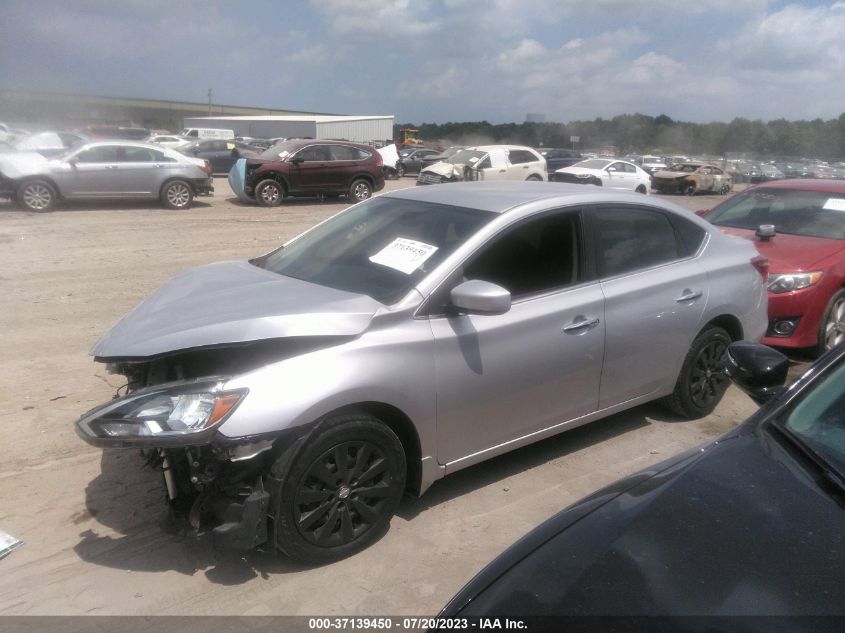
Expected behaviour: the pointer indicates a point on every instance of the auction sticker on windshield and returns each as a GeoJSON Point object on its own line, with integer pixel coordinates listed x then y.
{"type": "Point", "coordinates": [835, 204]}
{"type": "Point", "coordinates": [404, 255]}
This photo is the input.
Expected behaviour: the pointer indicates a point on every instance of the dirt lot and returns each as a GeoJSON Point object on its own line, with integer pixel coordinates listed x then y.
{"type": "Point", "coordinates": [90, 519]}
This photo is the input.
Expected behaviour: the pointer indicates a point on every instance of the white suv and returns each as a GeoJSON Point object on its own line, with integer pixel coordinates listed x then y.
{"type": "Point", "coordinates": [487, 162]}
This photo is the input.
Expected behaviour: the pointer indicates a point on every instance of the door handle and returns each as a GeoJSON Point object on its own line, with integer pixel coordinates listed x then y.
{"type": "Point", "coordinates": [688, 296]}
{"type": "Point", "coordinates": [111, 166]}
{"type": "Point", "coordinates": [581, 325]}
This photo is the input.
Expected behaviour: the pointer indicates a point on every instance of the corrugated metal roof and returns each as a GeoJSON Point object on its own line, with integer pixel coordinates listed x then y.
{"type": "Point", "coordinates": [319, 118]}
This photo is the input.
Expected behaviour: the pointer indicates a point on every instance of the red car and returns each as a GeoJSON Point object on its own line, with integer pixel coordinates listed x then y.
{"type": "Point", "coordinates": [799, 225]}
{"type": "Point", "coordinates": [308, 167]}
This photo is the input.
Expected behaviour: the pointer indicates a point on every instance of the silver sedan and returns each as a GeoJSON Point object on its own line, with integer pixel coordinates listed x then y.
{"type": "Point", "coordinates": [291, 399]}
{"type": "Point", "coordinates": [106, 169]}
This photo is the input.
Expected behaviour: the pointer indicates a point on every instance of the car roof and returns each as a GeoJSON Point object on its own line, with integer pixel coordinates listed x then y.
{"type": "Point", "coordinates": [807, 184]}
{"type": "Point", "coordinates": [487, 148]}
{"type": "Point", "coordinates": [504, 196]}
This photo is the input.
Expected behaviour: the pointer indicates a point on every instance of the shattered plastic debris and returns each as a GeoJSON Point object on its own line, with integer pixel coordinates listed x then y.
{"type": "Point", "coordinates": [8, 543]}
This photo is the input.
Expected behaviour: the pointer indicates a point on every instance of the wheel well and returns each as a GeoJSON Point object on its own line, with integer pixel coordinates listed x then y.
{"type": "Point", "coordinates": [46, 179]}
{"type": "Point", "coordinates": [272, 175]}
{"type": "Point", "coordinates": [730, 324]}
{"type": "Point", "coordinates": [187, 181]}
{"type": "Point", "coordinates": [366, 177]}
{"type": "Point", "coordinates": [400, 424]}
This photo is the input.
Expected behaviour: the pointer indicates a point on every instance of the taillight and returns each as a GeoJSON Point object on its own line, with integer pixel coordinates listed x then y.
{"type": "Point", "coordinates": [206, 167]}
{"type": "Point", "coordinates": [379, 160]}
{"type": "Point", "coordinates": [761, 264]}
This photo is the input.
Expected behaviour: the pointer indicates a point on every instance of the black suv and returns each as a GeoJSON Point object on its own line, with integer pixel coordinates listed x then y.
{"type": "Point", "coordinates": [559, 158]}
{"type": "Point", "coordinates": [308, 167]}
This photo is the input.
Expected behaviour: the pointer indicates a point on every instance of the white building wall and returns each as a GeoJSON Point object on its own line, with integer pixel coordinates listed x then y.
{"type": "Point", "coordinates": [360, 131]}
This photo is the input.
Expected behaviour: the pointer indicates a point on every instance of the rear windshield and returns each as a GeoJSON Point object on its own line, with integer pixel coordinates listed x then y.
{"type": "Point", "coordinates": [381, 248]}
{"type": "Point", "coordinates": [795, 212]}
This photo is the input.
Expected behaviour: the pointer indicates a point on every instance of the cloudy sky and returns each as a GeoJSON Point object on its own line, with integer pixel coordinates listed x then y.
{"type": "Point", "coordinates": [441, 60]}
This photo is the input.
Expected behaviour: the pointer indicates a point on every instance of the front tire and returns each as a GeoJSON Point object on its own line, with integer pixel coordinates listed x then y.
{"type": "Point", "coordinates": [641, 189]}
{"type": "Point", "coordinates": [534, 178]}
{"type": "Point", "coordinates": [400, 170]}
{"type": "Point", "coordinates": [832, 326]}
{"type": "Point", "coordinates": [360, 190]}
{"type": "Point", "coordinates": [339, 492]}
{"type": "Point", "coordinates": [269, 193]}
{"type": "Point", "coordinates": [688, 189]}
{"type": "Point", "coordinates": [37, 195]}
{"type": "Point", "coordinates": [702, 381]}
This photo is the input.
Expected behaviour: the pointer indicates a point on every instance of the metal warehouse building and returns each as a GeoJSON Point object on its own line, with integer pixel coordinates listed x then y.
{"type": "Point", "coordinates": [358, 129]}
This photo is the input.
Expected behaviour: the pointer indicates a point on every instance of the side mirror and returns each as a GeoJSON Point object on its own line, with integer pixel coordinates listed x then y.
{"type": "Point", "coordinates": [758, 370]}
{"type": "Point", "coordinates": [480, 297]}
{"type": "Point", "coordinates": [296, 160]}
{"type": "Point", "coordinates": [611, 169]}
{"type": "Point", "coordinates": [72, 161]}
{"type": "Point", "coordinates": [702, 213]}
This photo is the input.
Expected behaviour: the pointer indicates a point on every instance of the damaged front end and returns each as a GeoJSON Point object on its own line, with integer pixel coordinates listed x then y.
{"type": "Point", "coordinates": [578, 178]}
{"type": "Point", "coordinates": [212, 483]}
{"type": "Point", "coordinates": [444, 172]}
{"type": "Point", "coordinates": [171, 410]}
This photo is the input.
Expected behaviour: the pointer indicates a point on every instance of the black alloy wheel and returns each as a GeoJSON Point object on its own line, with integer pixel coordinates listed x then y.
{"type": "Point", "coordinates": [702, 381]}
{"type": "Point", "coordinates": [339, 489]}
{"type": "Point", "coordinates": [343, 494]}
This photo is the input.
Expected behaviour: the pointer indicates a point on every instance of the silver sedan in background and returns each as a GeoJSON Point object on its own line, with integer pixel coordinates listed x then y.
{"type": "Point", "coordinates": [291, 399]}
{"type": "Point", "coordinates": [107, 169]}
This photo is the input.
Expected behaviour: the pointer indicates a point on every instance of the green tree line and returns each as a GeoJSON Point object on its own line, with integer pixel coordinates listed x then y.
{"type": "Point", "coordinates": [640, 133]}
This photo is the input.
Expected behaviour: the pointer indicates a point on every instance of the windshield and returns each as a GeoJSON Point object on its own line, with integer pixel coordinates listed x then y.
{"type": "Point", "coordinates": [807, 213]}
{"type": "Point", "coordinates": [593, 163]}
{"type": "Point", "coordinates": [381, 248]}
{"type": "Point", "coordinates": [281, 150]}
{"type": "Point", "coordinates": [819, 419]}
{"type": "Point", "coordinates": [465, 157]}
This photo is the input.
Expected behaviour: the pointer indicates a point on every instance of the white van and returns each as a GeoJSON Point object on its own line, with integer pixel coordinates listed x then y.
{"type": "Point", "coordinates": [206, 133]}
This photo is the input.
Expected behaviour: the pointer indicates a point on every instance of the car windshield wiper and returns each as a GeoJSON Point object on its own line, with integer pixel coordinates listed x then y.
{"type": "Point", "coordinates": [823, 467]}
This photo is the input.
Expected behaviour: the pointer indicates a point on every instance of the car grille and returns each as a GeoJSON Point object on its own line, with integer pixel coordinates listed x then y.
{"type": "Point", "coordinates": [429, 179]}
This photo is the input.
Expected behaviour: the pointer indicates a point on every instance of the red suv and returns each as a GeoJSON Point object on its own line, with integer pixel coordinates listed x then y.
{"type": "Point", "coordinates": [307, 167]}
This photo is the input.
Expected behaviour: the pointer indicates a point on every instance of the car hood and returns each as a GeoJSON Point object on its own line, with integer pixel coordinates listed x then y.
{"type": "Point", "coordinates": [16, 165]}
{"type": "Point", "coordinates": [580, 171]}
{"type": "Point", "coordinates": [445, 169]}
{"type": "Point", "coordinates": [791, 253]}
{"type": "Point", "coordinates": [740, 530]}
{"type": "Point", "coordinates": [671, 175]}
{"type": "Point", "coordinates": [233, 302]}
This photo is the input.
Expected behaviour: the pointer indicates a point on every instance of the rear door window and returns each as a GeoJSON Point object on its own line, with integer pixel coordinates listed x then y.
{"type": "Point", "coordinates": [630, 239]}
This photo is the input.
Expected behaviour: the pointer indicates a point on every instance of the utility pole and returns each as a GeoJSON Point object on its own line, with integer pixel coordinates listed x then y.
{"type": "Point", "coordinates": [209, 102]}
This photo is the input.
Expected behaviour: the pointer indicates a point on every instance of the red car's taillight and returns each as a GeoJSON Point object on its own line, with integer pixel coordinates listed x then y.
{"type": "Point", "coordinates": [761, 264]}
{"type": "Point", "coordinates": [379, 160]}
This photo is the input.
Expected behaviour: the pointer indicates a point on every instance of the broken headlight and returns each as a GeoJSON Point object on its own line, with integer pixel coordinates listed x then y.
{"type": "Point", "coordinates": [171, 412]}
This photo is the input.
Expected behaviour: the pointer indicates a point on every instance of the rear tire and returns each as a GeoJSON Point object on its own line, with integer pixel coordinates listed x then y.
{"type": "Point", "coordinates": [360, 190]}
{"type": "Point", "coordinates": [534, 178]}
{"type": "Point", "coordinates": [37, 195]}
{"type": "Point", "coordinates": [702, 381]}
{"type": "Point", "coordinates": [269, 193]}
{"type": "Point", "coordinates": [177, 194]}
{"type": "Point", "coordinates": [339, 492]}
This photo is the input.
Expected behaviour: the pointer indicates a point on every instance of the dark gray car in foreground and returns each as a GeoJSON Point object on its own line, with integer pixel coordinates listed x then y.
{"type": "Point", "coordinates": [752, 524]}
{"type": "Point", "coordinates": [291, 399]}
